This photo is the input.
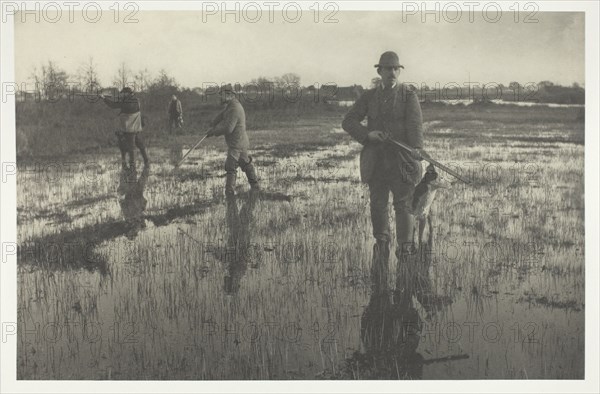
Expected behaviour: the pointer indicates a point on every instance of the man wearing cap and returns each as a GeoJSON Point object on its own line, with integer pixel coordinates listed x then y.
{"type": "Point", "coordinates": [231, 122]}
{"type": "Point", "coordinates": [130, 123]}
{"type": "Point", "coordinates": [392, 111]}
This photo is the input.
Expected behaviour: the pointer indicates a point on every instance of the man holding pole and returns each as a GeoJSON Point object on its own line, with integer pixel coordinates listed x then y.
{"type": "Point", "coordinates": [393, 112]}
{"type": "Point", "coordinates": [231, 122]}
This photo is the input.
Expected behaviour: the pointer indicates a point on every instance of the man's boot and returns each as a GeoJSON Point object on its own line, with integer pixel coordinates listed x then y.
{"type": "Point", "coordinates": [145, 157]}
{"type": "Point", "coordinates": [141, 145]}
{"type": "Point", "coordinates": [129, 139]}
{"type": "Point", "coordinates": [406, 252]}
{"type": "Point", "coordinates": [380, 267]}
{"type": "Point", "coordinates": [251, 175]}
{"type": "Point", "coordinates": [407, 268]}
{"type": "Point", "coordinates": [230, 184]}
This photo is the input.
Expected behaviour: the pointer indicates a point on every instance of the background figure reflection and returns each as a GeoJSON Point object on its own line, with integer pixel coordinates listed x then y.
{"type": "Point", "coordinates": [132, 200]}
{"type": "Point", "coordinates": [238, 251]}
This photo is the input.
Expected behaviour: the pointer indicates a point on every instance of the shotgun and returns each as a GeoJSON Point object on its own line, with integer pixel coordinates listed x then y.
{"type": "Point", "coordinates": [447, 358]}
{"type": "Point", "coordinates": [433, 162]}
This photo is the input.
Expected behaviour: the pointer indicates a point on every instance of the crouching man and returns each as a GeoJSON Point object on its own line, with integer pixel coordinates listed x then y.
{"type": "Point", "coordinates": [392, 111]}
{"type": "Point", "coordinates": [231, 122]}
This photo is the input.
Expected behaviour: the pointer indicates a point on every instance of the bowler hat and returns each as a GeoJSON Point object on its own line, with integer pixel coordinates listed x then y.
{"type": "Point", "coordinates": [227, 89]}
{"type": "Point", "coordinates": [389, 59]}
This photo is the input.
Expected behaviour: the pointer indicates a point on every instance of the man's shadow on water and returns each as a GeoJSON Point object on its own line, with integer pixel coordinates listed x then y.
{"type": "Point", "coordinates": [74, 249]}
{"type": "Point", "coordinates": [392, 323]}
{"type": "Point", "coordinates": [132, 201]}
{"type": "Point", "coordinates": [238, 252]}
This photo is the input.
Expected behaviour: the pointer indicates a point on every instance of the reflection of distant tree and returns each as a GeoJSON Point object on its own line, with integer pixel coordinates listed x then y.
{"type": "Point", "coordinates": [238, 251]}
{"type": "Point", "coordinates": [132, 200]}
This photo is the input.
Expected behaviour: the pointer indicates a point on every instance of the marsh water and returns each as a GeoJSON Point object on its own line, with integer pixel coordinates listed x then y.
{"type": "Point", "coordinates": [155, 275]}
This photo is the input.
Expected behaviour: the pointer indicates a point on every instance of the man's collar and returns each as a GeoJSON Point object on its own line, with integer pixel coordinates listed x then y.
{"type": "Point", "coordinates": [228, 103]}
{"type": "Point", "coordinates": [381, 87]}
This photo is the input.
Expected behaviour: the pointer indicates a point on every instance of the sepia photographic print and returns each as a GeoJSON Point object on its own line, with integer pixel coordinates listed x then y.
{"type": "Point", "coordinates": [359, 196]}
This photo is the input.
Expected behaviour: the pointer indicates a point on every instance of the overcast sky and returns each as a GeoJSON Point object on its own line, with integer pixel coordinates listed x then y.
{"type": "Point", "coordinates": [193, 51]}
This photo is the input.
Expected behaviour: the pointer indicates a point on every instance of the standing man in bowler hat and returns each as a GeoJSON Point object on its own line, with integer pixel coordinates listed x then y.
{"type": "Point", "coordinates": [393, 111]}
{"type": "Point", "coordinates": [231, 122]}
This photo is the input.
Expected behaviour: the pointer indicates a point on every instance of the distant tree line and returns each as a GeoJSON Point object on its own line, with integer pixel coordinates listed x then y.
{"type": "Point", "coordinates": [50, 81]}
{"type": "Point", "coordinates": [540, 92]}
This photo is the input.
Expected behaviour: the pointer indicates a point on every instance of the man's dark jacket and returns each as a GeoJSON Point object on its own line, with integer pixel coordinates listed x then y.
{"type": "Point", "coordinates": [398, 113]}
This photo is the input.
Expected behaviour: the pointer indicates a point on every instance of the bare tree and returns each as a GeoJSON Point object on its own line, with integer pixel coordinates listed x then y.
{"type": "Point", "coordinates": [56, 75]}
{"type": "Point", "coordinates": [287, 82]}
{"type": "Point", "coordinates": [263, 84]}
{"type": "Point", "coordinates": [142, 80]}
{"type": "Point", "coordinates": [38, 77]}
{"type": "Point", "coordinates": [264, 88]}
{"type": "Point", "coordinates": [164, 81]}
{"type": "Point", "coordinates": [291, 79]}
{"type": "Point", "coordinates": [514, 86]}
{"type": "Point", "coordinates": [545, 84]}
{"type": "Point", "coordinates": [123, 76]}
{"type": "Point", "coordinates": [88, 76]}
{"type": "Point", "coordinates": [260, 81]}
{"type": "Point", "coordinates": [50, 80]}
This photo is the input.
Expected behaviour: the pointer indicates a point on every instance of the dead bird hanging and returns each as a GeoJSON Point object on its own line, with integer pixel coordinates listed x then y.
{"type": "Point", "coordinates": [423, 198]}
{"type": "Point", "coordinates": [426, 190]}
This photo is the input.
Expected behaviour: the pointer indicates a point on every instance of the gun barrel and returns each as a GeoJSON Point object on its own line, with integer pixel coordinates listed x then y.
{"type": "Point", "coordinates": [447, 358]}
{"type": "Point", "coordinates": [434, 162]}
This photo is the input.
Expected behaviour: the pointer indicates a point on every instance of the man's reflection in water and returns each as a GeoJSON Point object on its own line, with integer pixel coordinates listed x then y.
{"type": "Point", "coordinates": [132, 201]}
{"type": "Point", "coordinates": [175, 153]}
{"type": "Point", "coordinates": [239, 251]}
{"type": "Point", "coordinates": [391, 325]}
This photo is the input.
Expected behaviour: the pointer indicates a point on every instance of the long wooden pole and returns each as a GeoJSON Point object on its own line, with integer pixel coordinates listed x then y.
{"type": "Point", "coordinates": [190, 151]}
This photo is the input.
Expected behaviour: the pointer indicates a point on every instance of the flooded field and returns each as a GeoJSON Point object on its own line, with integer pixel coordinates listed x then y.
{"type": "Point", "coordinates": [155, 275]}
